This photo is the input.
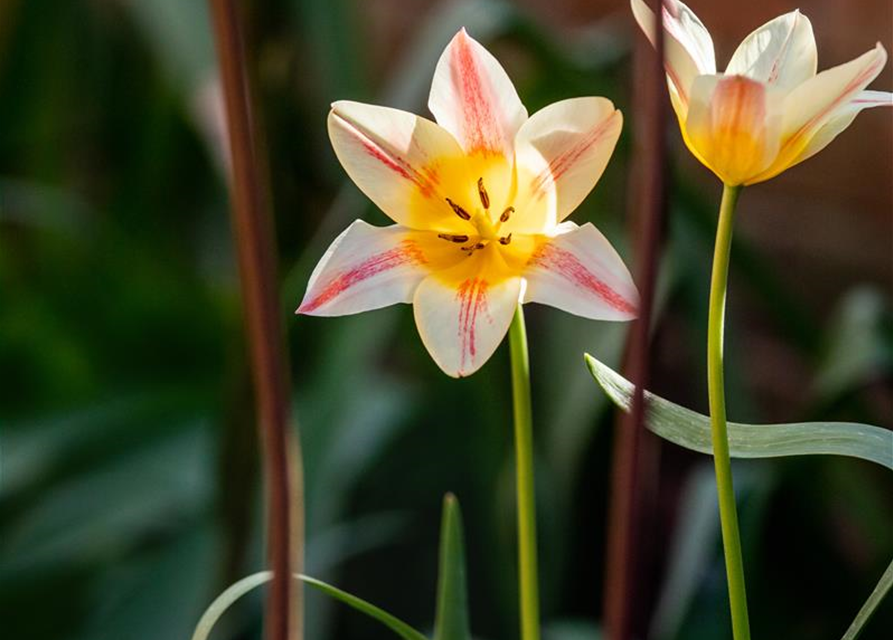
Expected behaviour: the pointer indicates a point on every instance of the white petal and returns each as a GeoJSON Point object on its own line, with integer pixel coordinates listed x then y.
{"type": "Point", "coordinates": [463, 314]}
{"type": "Point", "coordinates": [561, 152]}
{"type": "Point", "coordinates": [370, 267]}
{"type": "Point", "coordinates": [828, 96]}
{"type": "Point", "coordinates": [474, 99]}
{"type": "Point", "coordinates": [687, 43]}
{"type": "Point", "coordinates": [397, 159]}
{"type": "Point", "coordinates": [781, 52]}
{"type": "Point", "coordinates": [580, 272]}
{"type": "Point", "coordinates": [841, 119]}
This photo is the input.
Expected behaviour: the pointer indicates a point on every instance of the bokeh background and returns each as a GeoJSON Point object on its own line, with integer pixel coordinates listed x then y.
{"type": "Point", "coordinates": [129, 489]}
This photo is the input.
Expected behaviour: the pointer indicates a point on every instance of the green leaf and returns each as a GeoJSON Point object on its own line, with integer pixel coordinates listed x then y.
{"type": "Point", "coordinates": [397, 626]}
{"type": "Point", "coordinates": [225, 600]}
{"type": "Point", "coordinates": [881, 590]}
{"type": "Point", "coordinates": [451, 622]}
{"type": "Point", "coordinates": [235, 591]}
{"type": "Point", "coordinates": [691, 430]}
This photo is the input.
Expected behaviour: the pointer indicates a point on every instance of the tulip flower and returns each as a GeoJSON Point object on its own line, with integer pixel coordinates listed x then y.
{"type": "Point", "coordinates": [479, 200]}
{"type": "Point", "coordinates": [770, 109]}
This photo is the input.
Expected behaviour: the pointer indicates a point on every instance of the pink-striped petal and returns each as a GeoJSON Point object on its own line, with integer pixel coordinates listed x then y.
{"type": "Point", "coordinates": [463, 313]}
{"type": "Point", "coordinates": [781, 52]}
{"type": "Point", "coordinates": [399, 160]}
{"type": "Point", "coordinates": [734, 126]}
{"type": "Point", "coordinates": [579, 271]}
{"type": "Point", "coordinates": [473, 98]}
{"type": "Point", "coordinates": [561, 152]}
{"type": "Point", "coordinates": [687, 43]}
{"type": "Point", "coordinates": [841, 119]}
{"type": "Point", "coordinates": [370, 267]}
{"type": "Point", "coordinates": [831, 99]}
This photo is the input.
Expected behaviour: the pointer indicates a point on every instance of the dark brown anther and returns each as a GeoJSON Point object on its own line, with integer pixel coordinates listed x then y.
{"type": "Point", "coordinates": [482, 192]}
{"type": "Point", "coordinates": [474, 247]}
{"type": "Point", "coordinates": [505, 239]}
{"type": "Point", "coordinates": [462, 213]}
{"type": "Point", "coordinates": [505, 214]}
{"type": "Point", "coordinates": [451, 238]}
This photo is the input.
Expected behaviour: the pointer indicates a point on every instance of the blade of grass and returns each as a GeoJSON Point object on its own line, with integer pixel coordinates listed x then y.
{"type": "Point", "coordinates": [235, 591]}
{"type": "Point", "coordinates": [225, 600]}
{"type": "Point", "coordinates": [868, 609]}
{"type": "Point", "coordinates": [394, 624]}
{"type": "Point", "coordinates": [451, 621]}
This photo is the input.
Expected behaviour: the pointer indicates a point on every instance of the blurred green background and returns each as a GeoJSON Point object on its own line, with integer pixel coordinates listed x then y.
{"type": "Point", "coordinates": [129, 490]}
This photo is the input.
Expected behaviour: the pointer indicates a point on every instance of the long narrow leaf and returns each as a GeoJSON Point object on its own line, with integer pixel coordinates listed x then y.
{"type": "Point", "coordinates": [238, 589]}
{"type": "Point", "coordinates": [452, 596]}
{"type": "Point", "coordinates": [397, 626]}
{"type": "Point", "coordinates": [691, 430]}
{"type": "Point", "coordinates": [881, 590]}
{"type": "Point", "coordinates": [225, 600]}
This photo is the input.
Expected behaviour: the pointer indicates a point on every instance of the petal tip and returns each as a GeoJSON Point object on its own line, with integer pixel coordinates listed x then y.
{"type": "Point", "coordinates": [306, 308]}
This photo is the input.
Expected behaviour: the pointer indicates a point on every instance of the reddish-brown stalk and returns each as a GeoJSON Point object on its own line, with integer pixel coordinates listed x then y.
{"type": "Point", "coordinates": [252, 227]}
{"type": "Point", "coordinates": [633, 476]}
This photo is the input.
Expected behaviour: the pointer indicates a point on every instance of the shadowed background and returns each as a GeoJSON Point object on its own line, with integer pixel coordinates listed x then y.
{"type": "Point", "coordinates": [129, 489]}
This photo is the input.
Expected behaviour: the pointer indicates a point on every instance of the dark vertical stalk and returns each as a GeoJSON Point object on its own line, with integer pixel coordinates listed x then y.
{"type": "Point", "coordinates": [257, 269]}
{"type": "Point", "coordinates": [633, 479]}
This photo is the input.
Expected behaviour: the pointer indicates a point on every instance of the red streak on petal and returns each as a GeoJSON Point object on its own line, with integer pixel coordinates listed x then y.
{"type": "Point", "coordinates": [563, 162]}
{"type": "Point", "coordinates": [407, 253]}
{"type": "Point", "coordinates": [878, 101]}
{"type": "Point", "coordinates": [782, 52]}
{"type": "Point", "coordinates": [567, 265]}
{"type": "Point", "coordinates": [431, 174]}
{"type": "Point", "coordinates": [738, 104]}
{"type": "Point", "coordinates": [673, 30]}
{"type": "Point", "coordinates": [480, 124]}
{"type": "Point", "coordinates": [472, 297]}
{"type": "Point", "coordinates": [422, 178]}
{"type": "Point", "coordinates": [391, 163]}
{"type": "Point", "coordinates": [856, 84]}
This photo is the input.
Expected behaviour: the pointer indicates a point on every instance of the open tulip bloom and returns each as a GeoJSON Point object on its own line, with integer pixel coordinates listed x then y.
{"type": "Point", "coordinates": [770, 109]}
{"type": "Point", "coordinates": [478, 199]}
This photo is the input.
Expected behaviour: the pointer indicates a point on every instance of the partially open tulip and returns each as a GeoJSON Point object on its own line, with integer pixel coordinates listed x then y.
{"type": "Point", "coordinates": [478, 199]}
{"type": "Point", "coordinates": [770, 109]}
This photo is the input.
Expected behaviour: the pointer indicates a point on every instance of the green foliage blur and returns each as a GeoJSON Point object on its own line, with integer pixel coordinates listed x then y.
{"type": "Point", "coordinates": [129, 480]}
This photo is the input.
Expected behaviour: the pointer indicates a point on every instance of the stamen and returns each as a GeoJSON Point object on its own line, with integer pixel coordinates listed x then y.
{"type": "Point", "coordinates": [462, 213]}
{"type": "Point", "coordinates": [505, 239]}
{"type": "Point", "coordinates": [505, 214]}
{"type": "Point", "coordinates": [472, 248]}
{"type": "Point", "coordinates": [452, 238]}
{"type": "Point", "coordinates": [482, 192]}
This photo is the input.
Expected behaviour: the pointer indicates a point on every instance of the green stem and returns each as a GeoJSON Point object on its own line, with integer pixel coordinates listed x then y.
{"type": "Point", "coordinates": [527, 567]}
{"type": "Point", "coordinates": [715, 387]}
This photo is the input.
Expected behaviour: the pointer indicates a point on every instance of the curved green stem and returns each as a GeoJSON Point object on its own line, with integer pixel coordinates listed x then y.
{"type": "Point", "coordinates": [527, 566]}
{"type": "Point", "coordinates": [715, 387]}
